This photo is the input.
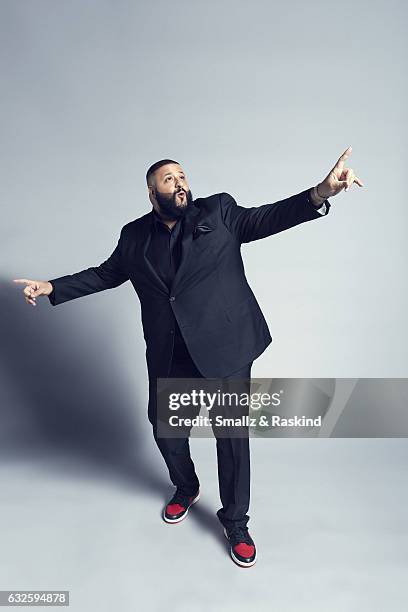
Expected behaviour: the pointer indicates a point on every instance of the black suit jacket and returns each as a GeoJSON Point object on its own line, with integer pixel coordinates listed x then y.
{"type": "Point", "coordinates": [218, 315]}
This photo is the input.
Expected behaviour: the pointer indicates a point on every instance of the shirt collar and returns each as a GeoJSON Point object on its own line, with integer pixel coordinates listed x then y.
{"type": "Point", "coordinates": [157, 221]}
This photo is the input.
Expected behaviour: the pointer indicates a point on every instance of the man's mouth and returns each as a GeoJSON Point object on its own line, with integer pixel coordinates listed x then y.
{"type": "Point", "coordinates": [181, 194]}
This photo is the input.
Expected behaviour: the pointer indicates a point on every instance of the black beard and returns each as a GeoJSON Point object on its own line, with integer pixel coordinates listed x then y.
{"type": "Point", "coordinates": [168, 207]}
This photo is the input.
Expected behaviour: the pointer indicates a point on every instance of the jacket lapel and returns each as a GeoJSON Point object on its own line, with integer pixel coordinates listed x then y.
{"type": "Point", "coordinates": [149, 267]}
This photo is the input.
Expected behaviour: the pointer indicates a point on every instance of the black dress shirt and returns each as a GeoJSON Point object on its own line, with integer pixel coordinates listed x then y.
{"type": "Point", "coordinates": [164, 250]}
{"type": "Point", "coordinates": [164, 253]}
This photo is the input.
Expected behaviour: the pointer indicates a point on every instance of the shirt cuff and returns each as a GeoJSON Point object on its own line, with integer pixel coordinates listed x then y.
{"type": "Point", "coordinates": [323, 209]}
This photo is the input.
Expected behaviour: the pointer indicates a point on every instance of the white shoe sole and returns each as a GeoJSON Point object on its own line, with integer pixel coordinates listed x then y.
{"type": "Point", "coordinates": [178, 520]}
{"type": "Point", "coordinates": [234, 558]}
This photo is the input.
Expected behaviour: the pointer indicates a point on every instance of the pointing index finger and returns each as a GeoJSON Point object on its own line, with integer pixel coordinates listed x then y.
{"type": "Point", "coordinates": [340, 162]}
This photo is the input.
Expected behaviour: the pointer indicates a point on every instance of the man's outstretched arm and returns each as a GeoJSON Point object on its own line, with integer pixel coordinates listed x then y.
{"type": "Point", "coordinates": [107, 275]}
{"type": "Point", "coordinates": [261, 221]}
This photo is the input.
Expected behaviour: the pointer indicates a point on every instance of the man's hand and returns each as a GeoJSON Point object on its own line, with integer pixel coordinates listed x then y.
{"type": "Point", "coordinates": [34, 288]}
{"type": "Point", "coordinates": [339, 178]}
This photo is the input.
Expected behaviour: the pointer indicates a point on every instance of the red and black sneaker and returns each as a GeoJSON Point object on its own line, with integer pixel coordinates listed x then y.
{"type": "Point", "coordinates": [242, 546]}
{"type": "Point", "coordinates": [178, 506]}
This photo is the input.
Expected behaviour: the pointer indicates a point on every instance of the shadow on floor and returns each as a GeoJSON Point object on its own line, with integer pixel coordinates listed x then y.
{"type": "Point", "coordinates": [71, 407]}
{"type": "Point", "coordinates": [63, 394]}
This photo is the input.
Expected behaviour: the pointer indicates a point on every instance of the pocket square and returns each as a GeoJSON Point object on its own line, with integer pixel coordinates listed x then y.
{"type": "Point", "coordinates": [201, 229]}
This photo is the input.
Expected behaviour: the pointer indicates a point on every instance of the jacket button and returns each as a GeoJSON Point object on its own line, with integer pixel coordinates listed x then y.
{"type": "Point", "coordinates": [172, 331]}
{"type": "Point", "coordinates": [172, 298]}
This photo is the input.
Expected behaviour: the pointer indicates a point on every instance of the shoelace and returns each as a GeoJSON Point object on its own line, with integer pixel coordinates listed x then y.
{"type": "Point", "coordinates": [238, 535]}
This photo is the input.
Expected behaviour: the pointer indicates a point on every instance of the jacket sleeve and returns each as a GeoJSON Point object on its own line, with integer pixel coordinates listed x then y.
{"type": "Point", "coordinates": [249, 224]}
{"type": "Point", "coordinates": [109, 274]}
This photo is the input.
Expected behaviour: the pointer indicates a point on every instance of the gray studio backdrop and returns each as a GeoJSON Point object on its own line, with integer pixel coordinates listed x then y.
{"type": "Point", "coordinates": [257, 99]}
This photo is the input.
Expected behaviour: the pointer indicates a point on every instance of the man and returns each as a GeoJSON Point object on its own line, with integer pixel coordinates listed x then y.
{"type": "Point", "coordinates": [200, 318]}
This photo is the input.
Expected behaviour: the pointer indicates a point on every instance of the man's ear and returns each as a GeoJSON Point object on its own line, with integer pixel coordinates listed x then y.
{"type": "Point", "coordinates": [152, 191]}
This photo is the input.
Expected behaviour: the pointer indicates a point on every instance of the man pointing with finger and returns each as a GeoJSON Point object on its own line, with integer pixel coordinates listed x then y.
{"type": "Point", "coordinates": [200, 317]}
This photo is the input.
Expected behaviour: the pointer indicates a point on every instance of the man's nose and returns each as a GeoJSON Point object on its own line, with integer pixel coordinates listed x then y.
{"type": "Point", "coordinates": [179, 183]}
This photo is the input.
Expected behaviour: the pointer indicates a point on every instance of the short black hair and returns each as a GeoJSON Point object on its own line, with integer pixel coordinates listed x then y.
{"type": "Point", "coordinates": [156, 166]}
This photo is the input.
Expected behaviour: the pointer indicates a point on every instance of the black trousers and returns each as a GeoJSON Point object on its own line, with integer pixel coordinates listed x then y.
{"type": "Point", "coordinates": [233, 454]}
